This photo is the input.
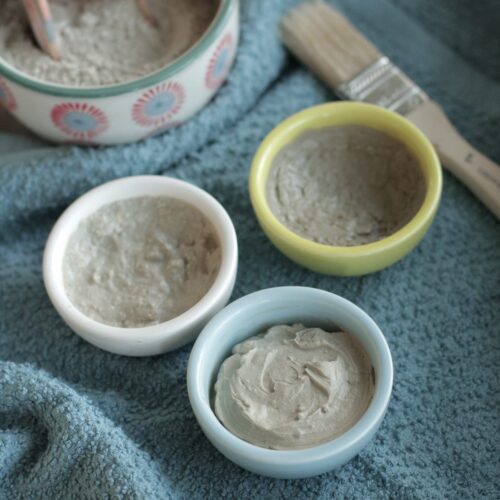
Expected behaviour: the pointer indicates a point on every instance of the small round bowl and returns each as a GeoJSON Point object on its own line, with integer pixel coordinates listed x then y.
{"type": "Point", "coordinates": [148, 340]}
{"type": "Point", "coordinates": [255, 313]}
{"type": "Point", "coordinates": [337, 260]}
{"type": "Point", "coordinates": [121, 113]}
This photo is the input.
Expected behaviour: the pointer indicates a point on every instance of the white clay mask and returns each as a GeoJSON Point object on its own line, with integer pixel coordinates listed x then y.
{"type": "Point", "coordinates": [141, 261]}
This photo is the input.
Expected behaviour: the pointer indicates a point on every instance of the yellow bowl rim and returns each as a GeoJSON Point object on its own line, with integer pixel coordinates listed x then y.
{"type": "Point", "coordinates": [310, 115]}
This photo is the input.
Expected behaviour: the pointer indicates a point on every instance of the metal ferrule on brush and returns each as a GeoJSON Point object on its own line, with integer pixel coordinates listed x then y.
{"type": "Point", "coordinates": [383, 84]}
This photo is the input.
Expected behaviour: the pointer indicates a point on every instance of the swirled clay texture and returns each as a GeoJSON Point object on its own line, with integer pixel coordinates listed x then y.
{"type": "Point", "coordinates": [294, 387]}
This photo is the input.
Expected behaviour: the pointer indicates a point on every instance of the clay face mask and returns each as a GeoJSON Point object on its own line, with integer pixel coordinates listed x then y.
{"type": "Point", "coordinates": [294, 387]}
{"type": "Point", "coordinates": [141, 261]}
{"type": "Point", "coordinates": [105, 42]}
{"type": "Point", "coordinates": [345, 186]}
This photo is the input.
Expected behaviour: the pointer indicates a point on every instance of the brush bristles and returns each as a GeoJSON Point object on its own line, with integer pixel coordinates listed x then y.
{"type": "Point", "coordinates": [327, 43]}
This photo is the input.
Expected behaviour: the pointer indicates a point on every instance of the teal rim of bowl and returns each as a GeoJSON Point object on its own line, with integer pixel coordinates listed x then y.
{"type": "Point", "coordinates": [217, 25]}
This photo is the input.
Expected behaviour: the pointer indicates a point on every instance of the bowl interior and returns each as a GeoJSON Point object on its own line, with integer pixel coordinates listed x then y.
{"type": "Point", "coordinates": [129, 188]}
{"type": "Point", "coordinates": [258, 311]}
{"type": "Point", "coordinates": [171, 68]}
{"type": "Point", "coordinates": [336, 114]}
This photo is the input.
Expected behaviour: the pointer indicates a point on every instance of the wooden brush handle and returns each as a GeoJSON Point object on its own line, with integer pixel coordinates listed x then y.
{"type": "Point", "coordinates": [477, 172]}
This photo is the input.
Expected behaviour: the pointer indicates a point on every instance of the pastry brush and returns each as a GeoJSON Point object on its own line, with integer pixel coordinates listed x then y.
{"type": "Point", "coordinates": [326, 42]}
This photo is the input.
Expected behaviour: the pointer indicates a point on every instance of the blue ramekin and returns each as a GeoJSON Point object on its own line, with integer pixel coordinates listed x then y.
{"type": "Point", "coordinates": [253, 314]}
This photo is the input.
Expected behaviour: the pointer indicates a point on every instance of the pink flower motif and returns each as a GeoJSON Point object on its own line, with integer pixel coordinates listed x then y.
{"type": "Point", "coordinates": [7, 99]}
{"type": "Point", "coordinates": [220, 62]}
{"type": "Point", "coordinates": [81, 121]}
{"type": "Point", "coordinates": [159, 104]}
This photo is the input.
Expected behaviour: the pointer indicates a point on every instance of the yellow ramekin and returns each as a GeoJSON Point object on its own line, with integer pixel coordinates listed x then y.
{"type": "Point", "coordinates": [354, 260]}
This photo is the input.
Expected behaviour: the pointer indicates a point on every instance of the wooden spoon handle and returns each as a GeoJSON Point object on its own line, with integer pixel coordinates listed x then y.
{"type": "Point", "coordinates": [143, 9]}
{"type": "Point", "coordinates": [43, 27]}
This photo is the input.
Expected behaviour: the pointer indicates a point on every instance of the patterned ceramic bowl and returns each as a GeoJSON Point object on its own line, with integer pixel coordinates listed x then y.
{"type": "Point", "coordinates": [133, 110]}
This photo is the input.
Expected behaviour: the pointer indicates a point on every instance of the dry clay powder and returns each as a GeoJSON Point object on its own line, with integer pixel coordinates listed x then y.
{"type": "Point", "coordinates": [104, 42]}
{"type": "Point", "coordinates": [141, 261]}
{"type": "Point", "coordinates": [345, 186]}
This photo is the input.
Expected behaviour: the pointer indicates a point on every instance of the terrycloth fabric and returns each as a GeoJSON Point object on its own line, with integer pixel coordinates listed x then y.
{"type": "Point", "coordinates": [76, 421]}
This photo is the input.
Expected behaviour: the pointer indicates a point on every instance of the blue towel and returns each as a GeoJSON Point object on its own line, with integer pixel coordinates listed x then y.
{"type": "Point", "coordinates": [76, 421]}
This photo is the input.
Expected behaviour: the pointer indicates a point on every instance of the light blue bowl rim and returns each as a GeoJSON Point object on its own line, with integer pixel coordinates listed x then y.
{"type": "Point", "coordinates": [218, 24]}
{"type": "Point", "coordinates": [247, 451]}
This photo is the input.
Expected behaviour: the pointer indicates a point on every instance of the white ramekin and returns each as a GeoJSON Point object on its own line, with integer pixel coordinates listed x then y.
{"type": "Point", "coordinates": [149, 340]}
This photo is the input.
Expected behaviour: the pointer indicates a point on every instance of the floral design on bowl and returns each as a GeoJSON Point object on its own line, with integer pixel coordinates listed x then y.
{"type": "Point", "coordinates": [220, 62]}
{"type": "Point", "coordinates": [81, 121]}
{"type": "Point", "coordinates": [6, 98]}
{"type": "Point", "coordinates": [158, 105]}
